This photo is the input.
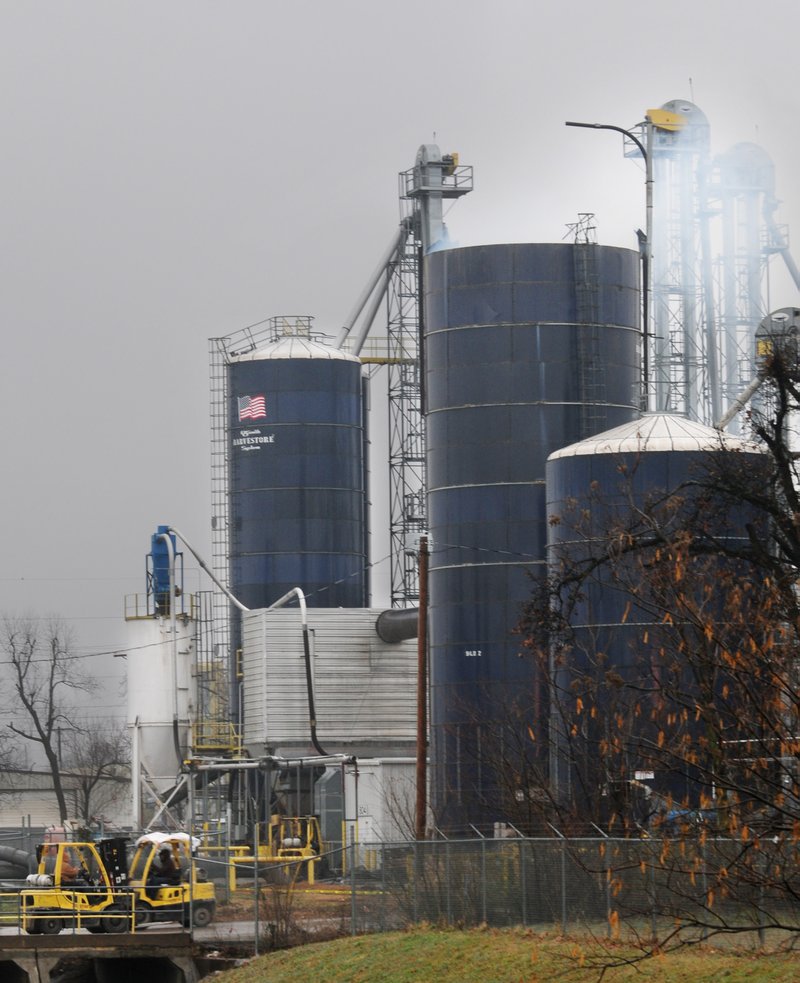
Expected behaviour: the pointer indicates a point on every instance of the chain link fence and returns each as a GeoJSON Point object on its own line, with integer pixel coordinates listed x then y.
{"type": "Point", "coordinates": [597, 885]}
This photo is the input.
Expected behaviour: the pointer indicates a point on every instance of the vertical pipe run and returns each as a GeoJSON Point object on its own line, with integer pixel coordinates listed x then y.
{"type": "Point", "coordinates": [647, 263]}
{"type": "Point", "coordinates": [422, 692]}
{"type": "Point", "coordinates": [353, 929]}
{"type": "Point", "coordinates": [256, 891]}
{"type": "Point", "coordinates": [190, 825]}
{"type": "Point", "coordinates": [312, 713]}
{"type": "Point", "coordinates": [136, 770]}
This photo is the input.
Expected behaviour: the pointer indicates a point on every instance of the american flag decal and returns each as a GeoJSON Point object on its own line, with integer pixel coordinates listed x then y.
{"type": "Point", "coordinates": [252, 407]}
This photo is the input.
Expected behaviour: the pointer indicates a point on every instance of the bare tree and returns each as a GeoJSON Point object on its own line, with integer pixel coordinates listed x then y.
{"type": "Point", "coordinates": [45, 678]}
{"type": "Point", "coordinates": [97, 760]}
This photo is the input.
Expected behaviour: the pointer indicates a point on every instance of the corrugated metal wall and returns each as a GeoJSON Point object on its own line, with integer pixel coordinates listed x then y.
{"type": "Point", "coordinates": [364, 689]}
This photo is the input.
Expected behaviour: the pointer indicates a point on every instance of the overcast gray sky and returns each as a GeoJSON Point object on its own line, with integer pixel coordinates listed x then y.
{"type": "Point", "coordinates": [176, 170]}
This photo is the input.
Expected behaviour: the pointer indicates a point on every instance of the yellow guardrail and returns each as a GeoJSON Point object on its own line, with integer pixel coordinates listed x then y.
{"type": "Point", "coordinates": [48, 911]}
{"type": "Point", "coordinates": [216, 735]}
{"type": "Point", "coordinates": [9, 908]}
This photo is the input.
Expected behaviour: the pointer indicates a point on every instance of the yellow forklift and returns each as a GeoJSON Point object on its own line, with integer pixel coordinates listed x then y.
{"type": "Point", "coordinates": [170, 896]}
{"type": "Point", "coordinates": [91, 885]}
{"type": "Point", "coordinates": [78, 885]}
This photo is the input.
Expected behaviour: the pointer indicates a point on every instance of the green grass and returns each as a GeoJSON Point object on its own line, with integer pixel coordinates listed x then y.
{"type": "Point", "coordinates": [502, 956]}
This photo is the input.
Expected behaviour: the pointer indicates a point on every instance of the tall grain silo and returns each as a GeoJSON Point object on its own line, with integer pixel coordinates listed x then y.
{"type": "Point", "coordinates": [296, 471]}
{"type": "Point", "coordinates": [527, 348]}
{"type": "Point", "coordinates": [641, 483]}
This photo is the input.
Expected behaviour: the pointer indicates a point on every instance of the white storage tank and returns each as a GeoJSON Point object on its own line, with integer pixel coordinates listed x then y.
{"type": "Point", "coordinates": [151, 651]}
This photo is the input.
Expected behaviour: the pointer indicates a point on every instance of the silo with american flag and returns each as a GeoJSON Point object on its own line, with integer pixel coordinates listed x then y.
{"type": "Point", "coordinates": [296, 470]}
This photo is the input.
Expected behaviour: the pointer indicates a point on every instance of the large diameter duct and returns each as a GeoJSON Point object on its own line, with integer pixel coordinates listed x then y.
{"type": "Point", "coordinates": [397, 625]}
{"type": "Point", "coordinates": [296, 438]}
{"type": "Point", "coordinates": [19, 862]}
{"type": "Point", "coordinates": [527, 348]}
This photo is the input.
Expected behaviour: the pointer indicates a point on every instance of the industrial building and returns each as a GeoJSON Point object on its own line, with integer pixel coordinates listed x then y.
{"type": "Point", "coordinates": [291, 691]}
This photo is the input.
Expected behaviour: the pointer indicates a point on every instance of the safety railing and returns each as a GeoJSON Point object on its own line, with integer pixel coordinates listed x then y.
{"type": "Point", "coordinates": [50, 911]}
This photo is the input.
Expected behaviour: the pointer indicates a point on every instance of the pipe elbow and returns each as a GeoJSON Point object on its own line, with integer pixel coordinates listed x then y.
{"type": "Point", "coordinates": [397, 625]}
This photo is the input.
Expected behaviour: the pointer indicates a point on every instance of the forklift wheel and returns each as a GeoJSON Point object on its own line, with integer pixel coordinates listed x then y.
{"type": "Point", "coordinates": [50, 926]}
{"type": "Point", "coordinates": [144, 916]}
{"type": "Point", "coordinates": [201, 916]}
{"type": "Point", "coordinates": [116, 924]}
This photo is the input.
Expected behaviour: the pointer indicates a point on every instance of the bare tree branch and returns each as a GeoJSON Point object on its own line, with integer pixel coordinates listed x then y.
{"type": "Point", "coordinates": [45, 678]}
{"type": "Point", "coordinates": [97, 758]}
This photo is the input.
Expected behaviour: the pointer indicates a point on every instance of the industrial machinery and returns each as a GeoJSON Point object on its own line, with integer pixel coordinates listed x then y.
{"type": "Point", "coordinates": [189, 892]}
{"type": "Point", "coordinates": [89, 885]}
{"type": "Point", "coordinates": [80, 885]}
{"type": "Point", "coordinates": [290, 842]}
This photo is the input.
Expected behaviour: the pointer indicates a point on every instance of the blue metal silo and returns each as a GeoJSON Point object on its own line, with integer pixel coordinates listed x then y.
{"type": "Point", "coordinates": [656, 473]}
{"type": "Point", "coordinates": [296, 467]}
{"type": "Point", "coordinates": [527, 348]}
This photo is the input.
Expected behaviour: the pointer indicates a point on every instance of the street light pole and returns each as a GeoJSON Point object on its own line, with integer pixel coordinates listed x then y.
{"type": "Point", "coordinates": [645, 245]}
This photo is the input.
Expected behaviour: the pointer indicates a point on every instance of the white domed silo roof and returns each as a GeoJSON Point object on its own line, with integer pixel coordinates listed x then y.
{"type": "Point", "coordinates": [656, 432]}
{"type": "Point", "coordinates": [296, 348]}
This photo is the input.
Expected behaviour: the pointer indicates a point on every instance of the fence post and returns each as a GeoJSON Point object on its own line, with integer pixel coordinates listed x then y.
{"type": "Point", "coordinates": [256, 847]}
{"type": "Point", "coordinates": [227, 879]}
{"type": "Point", "coordinates": [563, 877]}
{"type": "Point", "coordinates": [704, 933]}
{"type": "Point", "coordinates": [352, 881]}
{"type": "Point", "coordinates": [383, 887]}
{"type": "Point", "coordinates": [563, 886]}
{"type": "Point", "coordinates": [605, 847]}
{"type": "Point", "coordinates": [483, 881]}
{"type": "Point", "coordinates": [415, 880]}
{"type": "Point", "coordinates": [523, 874]}
{"type": "Point", "coordinates": [762, 921]}
{"type": "Point", "coordinates": [653, 920]}
{"type": "Point", "coordinates": [447, 876]}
